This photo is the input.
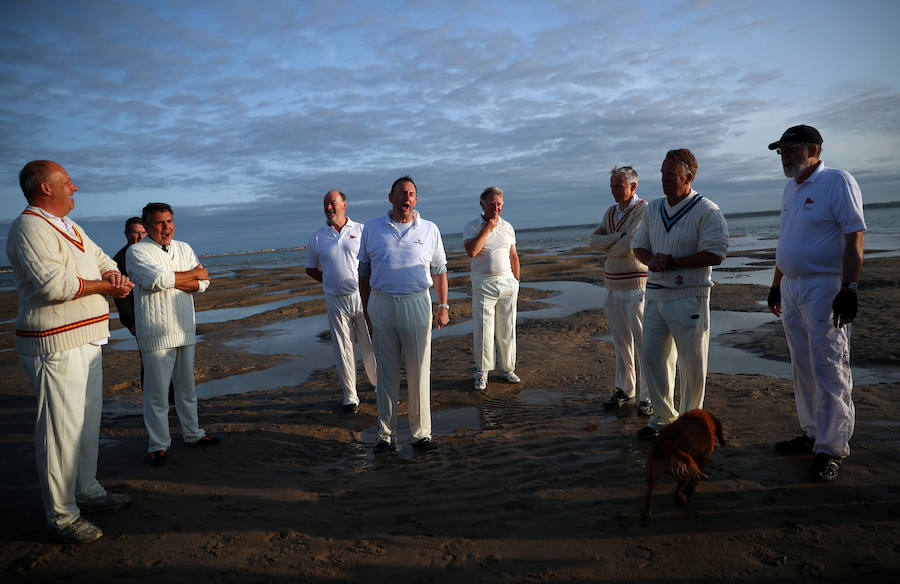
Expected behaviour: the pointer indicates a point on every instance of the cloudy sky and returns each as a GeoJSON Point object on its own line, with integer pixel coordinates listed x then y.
{"type": "Point", "coordinates": [242, 114]}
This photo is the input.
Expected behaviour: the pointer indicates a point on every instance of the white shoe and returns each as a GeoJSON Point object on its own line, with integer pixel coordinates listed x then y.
{"type": "Point", "coordinates": [509, 377]}
{"type": "Point", "coordinates": [79, 531]}
{"type": "Point", "coordinates": [480, 380]}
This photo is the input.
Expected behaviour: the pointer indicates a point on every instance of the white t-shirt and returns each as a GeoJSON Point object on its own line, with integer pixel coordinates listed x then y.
{"type": "Point", "coordinates": [402, 263]}
{"type": "Point", "coordinates": [816, 215]}
{"type": "Point", "coordinates": [335, 254]}
{"type": "Point", "coordinates": [493, 259]}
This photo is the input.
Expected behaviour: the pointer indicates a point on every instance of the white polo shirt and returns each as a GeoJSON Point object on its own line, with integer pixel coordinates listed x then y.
{"type": "Point", "coordinates": [401, 263]}
{"type": "Point", "coordinates": [493, 259]}
{"type": "Point", "coordinates": [816, 215]}
{"type": "Point", "coordinates": [335, 253]}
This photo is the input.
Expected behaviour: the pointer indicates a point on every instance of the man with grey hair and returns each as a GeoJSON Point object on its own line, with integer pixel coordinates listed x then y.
{"type": "Point", "coordinates": [63, 278]}
{"type": "Point", "coordinates": [490, 241]}
{"type": "Point", "coordinates": [818, 263]}
{"type": "Point", "coordinates": [681, 237]}
{"type": "Point", "coordinates": [331, 259]}
{"type": "Point", "coordinates": [624, 278]}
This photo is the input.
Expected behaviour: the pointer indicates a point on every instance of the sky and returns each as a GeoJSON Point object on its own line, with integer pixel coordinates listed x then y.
{"type": "Point", "coordinates": [241, 115]}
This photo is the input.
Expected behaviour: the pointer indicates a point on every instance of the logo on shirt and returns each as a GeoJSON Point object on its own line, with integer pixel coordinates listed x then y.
{"type": "Point", "coordinates": [352, 237]}
{"type": "Point", "coordinates": [807, 204]}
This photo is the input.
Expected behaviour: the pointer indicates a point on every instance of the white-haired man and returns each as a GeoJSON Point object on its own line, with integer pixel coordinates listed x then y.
{"type": "Point", "coordinates": [625, 279]}
{"type": "Point", "coordinates": [818, 263]}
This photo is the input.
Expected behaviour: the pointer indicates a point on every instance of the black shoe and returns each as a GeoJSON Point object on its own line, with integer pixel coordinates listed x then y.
{"type": "Point", "coordinates": [157, 458]}
{"type": "Point", "coordinates": [424, 445]}
{"type": "Point", "coordinates": [205, 441]}
{"type": "Point", "coordinates": [647, 433]}
{"type": "Point", "coordinates": [108, 502]}
{"type": "Point", "coordinates": [383, 446]}
{"type": "Point", "coordinates": [800, 445]}
{"type": "Point", "coordinates": [645, 409]}
{"type": "Point", "coordinates": [825, 468]}
{"type": "Point", "coordinates": [618, 400]}
{"type": "Point", "coordinates": [350, 408]}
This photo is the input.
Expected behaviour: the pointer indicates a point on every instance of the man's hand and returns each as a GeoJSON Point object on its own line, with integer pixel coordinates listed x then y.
{"type": "Point", "coordinates": [441, 318]}
{"type": "Point", "coordinates": [844, 307]}
{"type": "Point", "coordinates": [200, 272]}
{"type": "Point", "coordinates": [121, 285]}
{"type": "Point", "coordinates": [774, 300]}
{"type": "Point", "coordinates": [659, 262]}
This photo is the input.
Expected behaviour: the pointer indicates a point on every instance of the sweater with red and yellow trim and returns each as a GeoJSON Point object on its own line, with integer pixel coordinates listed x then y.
{"type": "Point", "coordinates": [622, 270]}
{"type": "Point", "coordinates": [50, 267]}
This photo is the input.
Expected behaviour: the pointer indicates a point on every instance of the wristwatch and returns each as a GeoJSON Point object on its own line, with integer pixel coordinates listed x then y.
{"type": "Point", "coordinates": [850, 285]}
{"type": "Point", "coordinates": [447, 306]}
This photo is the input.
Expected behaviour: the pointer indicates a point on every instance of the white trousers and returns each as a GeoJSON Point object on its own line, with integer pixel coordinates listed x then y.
{"type": "Point", "coordinates": [69, 388]}
{"type": "Point", "coordinates": [675, 331]}
{"type": "Point", "coordinates": [401, 327]}
{"type": "Point", "coordinates": [820, 355]}
{"type": "Point", "coordinates": [625, 313]}
{"type": "Point", "coordinates": [347, 322]}
{"type": "Point", "coordinates": [494, 321]}
{"type": "Point", "coordinates": [160, 368]}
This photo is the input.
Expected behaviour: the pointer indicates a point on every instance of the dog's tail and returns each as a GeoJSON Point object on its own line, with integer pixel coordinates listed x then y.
{"type": "Point", "coordinates": [683, 467]}
{"type": "Point", "coordinates": [719, 435]}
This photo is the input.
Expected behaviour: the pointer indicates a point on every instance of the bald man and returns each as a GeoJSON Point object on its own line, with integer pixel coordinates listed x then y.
{"type": "Point", "coordinates": [331, 259]}
{"type": "Point", "coordinates": [63, 279]}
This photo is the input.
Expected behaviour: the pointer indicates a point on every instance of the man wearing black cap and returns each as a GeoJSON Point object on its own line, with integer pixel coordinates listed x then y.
{"type": "Point", "coordinates": [817, 267]}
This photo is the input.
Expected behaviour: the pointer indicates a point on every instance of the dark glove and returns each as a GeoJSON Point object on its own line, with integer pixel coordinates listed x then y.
{"type": "Point", "coordinates": [844, 306]}
{"type": "Point", "coordinates": [774, 298]}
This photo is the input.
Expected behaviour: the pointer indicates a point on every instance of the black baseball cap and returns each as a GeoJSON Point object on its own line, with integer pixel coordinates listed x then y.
{"type": "Point", "coordinates": [798, 135]}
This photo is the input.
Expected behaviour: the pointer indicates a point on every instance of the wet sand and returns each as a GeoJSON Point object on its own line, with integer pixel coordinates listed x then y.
{"type": "Point", "coordinates": [531, 483]}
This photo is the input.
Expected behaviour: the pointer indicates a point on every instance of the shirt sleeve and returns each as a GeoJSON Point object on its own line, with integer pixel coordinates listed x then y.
{"type": "Point", "coordinates": [713, 233]}
{"type": "Point", "coordinates": [145, 271]}
{"type": "Point", "coordinates": [312, 254]}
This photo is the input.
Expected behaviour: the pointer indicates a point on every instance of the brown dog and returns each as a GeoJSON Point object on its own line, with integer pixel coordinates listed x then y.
{"type": "Point", "coordinates": [682, 450]}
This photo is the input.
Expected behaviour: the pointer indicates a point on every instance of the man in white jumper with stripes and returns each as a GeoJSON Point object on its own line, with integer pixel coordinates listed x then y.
{"type": "Point", "coordinates": [624, 280]}
{"type": "Point", "coordinates": [331, 258]}
{"type": "Point", "coordinates": [400, 258]}
{"type": "Point", "coordinates": [166, 274]}
{"type": "Point", "coordinates": [63, 278]}
{"type": "Point", "coordinates": [818, 264]}
{"type": "Point", "coordinates": [681, 237]}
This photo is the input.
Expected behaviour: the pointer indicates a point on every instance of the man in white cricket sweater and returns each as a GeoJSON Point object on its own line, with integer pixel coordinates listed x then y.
{"type": "Point", "coordinates": [166, 275]}
{"type": "Point", "coordinates": [331, 259]}
{"type": "Point", "coordinates": [624, 280]}
{"type": "Point", "coordinates": [680, 238]}
{"type": "Point", "coordinates": [62, 278]}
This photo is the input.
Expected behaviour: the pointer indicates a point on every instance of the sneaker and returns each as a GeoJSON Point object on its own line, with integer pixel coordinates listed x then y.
{"type": "Point", "coordinates": [509, 377]}
{"type": "Point", "coordinates": [383, 446]}
{"type": "Point", "coordinates": [825, 468]}
{"type": "Point", "coordinates": [205, 441]}
{"type": "Point", "coordinates": [350, 408]}
{"type": "Point", "coordinates": [157, 458]}
{"type": "Point", "coordinates": [799, 445]}
{"type": "Point", "coordinates": [79, 531]}
{"type": "Point", "coordinates": [618, 400]}
{"type": "Point", "coordinates": [424, 445]}
{"type": "Point", "coordinates": [645, 408]}
{"type": "Point", "coordinates": [647, 433]}
{"type": "Point", "coordinates": [108, 502]}
{"type": "Point", "coordinates": [480, 380]}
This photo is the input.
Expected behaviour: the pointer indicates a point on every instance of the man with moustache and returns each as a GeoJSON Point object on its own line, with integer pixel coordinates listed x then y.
{"type": "Point", "coordinates": [681, 237]}
{"type": "Point", "coordinates": [62, 278]}
{"type": "Point", "coordinates": [331, 258]}
{"type": "Point", "coordinates": [401, 256]}
{"type": "Point", "coordinates": [167, 274]}
{"type": "Point", "coordinates": [818, 263]}
{"type": "Point", "coordinates": [624, 280]}
{"type": "Point", "coordinates": [490, 241]}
